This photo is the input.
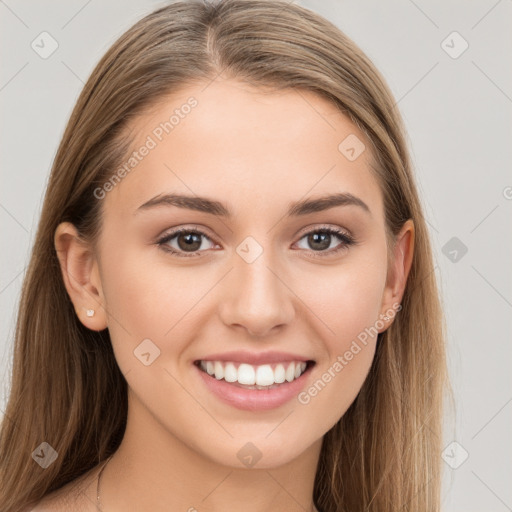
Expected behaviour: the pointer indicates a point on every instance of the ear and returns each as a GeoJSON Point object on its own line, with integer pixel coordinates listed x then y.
{"type": "Point", "coordinates": [402, 252]}
{"type": "Point", "coordinates": [81, 276]}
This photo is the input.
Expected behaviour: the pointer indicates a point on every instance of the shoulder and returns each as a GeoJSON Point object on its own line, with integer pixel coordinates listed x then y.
{"type": "Point", "coordinates": [77, 495]}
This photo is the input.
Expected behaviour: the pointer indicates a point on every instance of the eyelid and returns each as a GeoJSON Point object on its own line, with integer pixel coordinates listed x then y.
{"type": "Point", "coordinates": [188, 228]}
{"type": "Point", "coordinates": [320, 227]}
{"type": "Point", "coordinates": [162, 240]}
{"type": "Point", "coordinates": [347, 239]}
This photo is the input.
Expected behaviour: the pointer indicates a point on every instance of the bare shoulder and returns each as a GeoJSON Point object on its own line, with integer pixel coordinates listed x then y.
{"type": "Point", "coordinates": [77, 495]}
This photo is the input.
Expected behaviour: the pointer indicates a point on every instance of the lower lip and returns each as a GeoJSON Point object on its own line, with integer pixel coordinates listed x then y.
{"type": "Point", "coordinates": [253, 399]}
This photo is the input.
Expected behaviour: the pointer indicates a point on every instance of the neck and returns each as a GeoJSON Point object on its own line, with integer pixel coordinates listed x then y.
{"type": "Point", "coordinates": [156, 471]}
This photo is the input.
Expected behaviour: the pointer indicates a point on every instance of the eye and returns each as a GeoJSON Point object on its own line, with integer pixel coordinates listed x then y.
{"type": "Point", "coordinates": [321, 239]}
{"type": "Point", "coordinates": [188, 241]}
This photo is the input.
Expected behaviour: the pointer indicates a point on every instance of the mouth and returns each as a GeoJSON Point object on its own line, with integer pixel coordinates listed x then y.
{"type": "Point", "coordinates": [255, 377]}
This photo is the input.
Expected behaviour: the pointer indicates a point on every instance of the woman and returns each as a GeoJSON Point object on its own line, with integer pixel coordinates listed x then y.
{"type": "Point", "coordinates": [231, 301]}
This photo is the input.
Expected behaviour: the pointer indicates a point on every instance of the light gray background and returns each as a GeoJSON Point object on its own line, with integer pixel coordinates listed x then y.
{"type": "Point", "coordinates": [458, 116]}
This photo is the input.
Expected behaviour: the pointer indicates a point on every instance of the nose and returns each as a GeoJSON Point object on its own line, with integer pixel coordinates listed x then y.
{"type": "Point", "coordinates": [257, 297]}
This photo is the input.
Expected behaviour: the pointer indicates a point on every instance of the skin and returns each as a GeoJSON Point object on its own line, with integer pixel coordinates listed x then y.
{"type": "Point", "coordinates": [256, 152]}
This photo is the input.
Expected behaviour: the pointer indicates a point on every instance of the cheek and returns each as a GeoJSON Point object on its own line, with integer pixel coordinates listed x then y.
{"type": "Point", "coordinates": [141, 292]}
{"type": "Point", "coordinates": [341, 373]}
{"type": "Point", "coordinates": [336, 385]}
{"type": "Point", "coordinates": [134, 299]}
{"type": "Point", "coordinates": [349, 306]}
{"type": "Point", "coordinates": [149, 299]}
{"type": "Point", "coordinates": [348, 297]}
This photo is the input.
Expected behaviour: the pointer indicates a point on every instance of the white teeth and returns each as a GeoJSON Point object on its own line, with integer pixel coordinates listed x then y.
{"type": "Point", "coordinates": [261, 376]}
{"type": "Point", "coordinates": [290, 372]}
{"type": "Point", "coordinates": [219, 370]}
{"type": "Point", "coordinates": [279, 374]}
{"type": "Point", "coordinates": [230, 373]}
{"type": "Point", "coordinates": [246, 375]}
{"type": "Point", "coordinates": [264, 375]}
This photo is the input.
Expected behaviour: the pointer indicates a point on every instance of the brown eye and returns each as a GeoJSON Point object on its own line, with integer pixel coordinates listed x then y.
{"type": "Point", "coordinates": [189, 241]}
{"type": "Point", "coordinates": [320, 240]}
{"type": "Point", "coordinates": [183, 241]}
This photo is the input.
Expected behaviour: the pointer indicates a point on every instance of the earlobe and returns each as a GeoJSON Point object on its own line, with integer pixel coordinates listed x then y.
{"type": "Point", "coordinates": [80, 275]}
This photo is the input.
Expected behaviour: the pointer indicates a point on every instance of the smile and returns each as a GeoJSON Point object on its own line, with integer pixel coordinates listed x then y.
{"type": "Point", "coordinates": [270, 382]}
{"type": "Point", "coordinates": [265, 376]}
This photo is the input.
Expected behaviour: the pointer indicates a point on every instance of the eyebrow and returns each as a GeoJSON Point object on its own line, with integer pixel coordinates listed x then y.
{"type": "Point", "coordinates": [295, 209]}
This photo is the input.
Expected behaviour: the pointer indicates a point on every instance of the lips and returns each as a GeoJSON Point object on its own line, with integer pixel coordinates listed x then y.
{"type": "Point", "coordinates": [254, 398]}
{"type": "Point", "coordinates": [254, 381]}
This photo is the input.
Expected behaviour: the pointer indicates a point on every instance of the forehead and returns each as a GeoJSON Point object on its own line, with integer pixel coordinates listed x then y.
{"type": "Point", "coordinates": [253, 149]}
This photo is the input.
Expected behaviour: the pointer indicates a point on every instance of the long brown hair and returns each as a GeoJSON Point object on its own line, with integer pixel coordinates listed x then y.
{"type": "Point", "coordinates": [384, 453]}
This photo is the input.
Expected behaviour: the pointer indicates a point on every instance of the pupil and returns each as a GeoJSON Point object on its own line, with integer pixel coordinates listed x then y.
{"type": "Point", "coordinates": [190, 240]}
{"type": "Point", "coordinates": [314, 238]}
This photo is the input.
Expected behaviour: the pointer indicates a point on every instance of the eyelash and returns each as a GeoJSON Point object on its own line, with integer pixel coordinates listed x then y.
{"type": "Point", "coordinates": [346, 239]}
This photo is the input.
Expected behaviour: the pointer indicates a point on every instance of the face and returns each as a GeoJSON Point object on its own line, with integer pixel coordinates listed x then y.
{"type": "Point", "coordinates": [259, 287]}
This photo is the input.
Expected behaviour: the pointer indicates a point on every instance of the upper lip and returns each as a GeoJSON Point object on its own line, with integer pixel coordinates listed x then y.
{"type": "Point", "coordinates": [255, 358]}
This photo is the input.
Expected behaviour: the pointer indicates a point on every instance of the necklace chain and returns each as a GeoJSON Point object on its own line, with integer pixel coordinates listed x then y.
{"type": "Point", "coordinates": [98, 502]}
